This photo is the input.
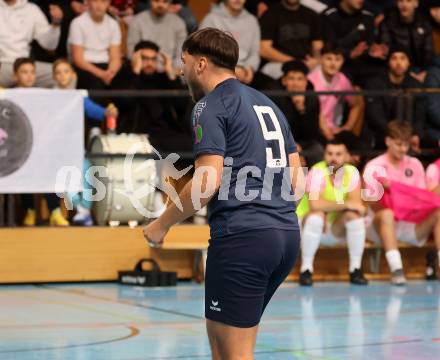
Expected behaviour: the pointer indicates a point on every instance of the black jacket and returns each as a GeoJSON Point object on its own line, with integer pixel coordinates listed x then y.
{"type": "Point", "coordinates": [166, 120]}
{"type": "Point", "coordinates": [304, 126]}
{"type": "Point", "coordinates": [380, 110]}
{"type": "Point", "coordinates": [348, 30]}
{"type": "Point", "coordinates": [416, 37]}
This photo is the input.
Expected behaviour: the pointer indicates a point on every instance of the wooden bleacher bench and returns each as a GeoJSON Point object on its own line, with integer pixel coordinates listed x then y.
{"type": "Point", "coordinates": [196, 237]}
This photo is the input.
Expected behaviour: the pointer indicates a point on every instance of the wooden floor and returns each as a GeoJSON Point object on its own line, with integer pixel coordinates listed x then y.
{"type": "Point", "coordinates": [47, 254]}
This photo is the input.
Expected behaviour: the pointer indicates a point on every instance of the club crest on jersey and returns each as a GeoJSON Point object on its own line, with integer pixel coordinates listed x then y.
{"type": "Point", "coordinates": [198, 131]}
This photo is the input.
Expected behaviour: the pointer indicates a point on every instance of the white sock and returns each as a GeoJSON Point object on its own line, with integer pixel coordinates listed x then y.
{"type": "Point", "coordinates": [394, 260]}
{"type": "Point", "coordinates": [356, 242]}
{"type": "Point", "coordinates": [311, 234]}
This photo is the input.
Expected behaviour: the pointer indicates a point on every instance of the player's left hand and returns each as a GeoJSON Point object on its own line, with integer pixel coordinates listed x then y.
{"type": "Point", "coordinates": [154, 234]}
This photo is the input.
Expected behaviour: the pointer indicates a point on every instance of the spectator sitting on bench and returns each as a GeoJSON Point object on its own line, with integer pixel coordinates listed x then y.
{"type": "Point", "coordinates": [95, 46]}
{"type": "Point", "coordinates": [332, 212]}
{"type": "Point", "coordinates": [302, 112]}
{"type": "Point", "coordinates": [162, 118]}
{"type": "Point", "coordinates": [328, 77]}
{"type": "Point", "coordinates": [395, 165]}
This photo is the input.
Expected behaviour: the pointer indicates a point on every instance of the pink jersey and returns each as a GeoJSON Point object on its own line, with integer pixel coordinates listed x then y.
{"type": "Point", "coordinates": [410, 172]}
{"type": "Point", "coordinates": [433, 175]}
{"type": "Point", "coordinates": [332, 106]}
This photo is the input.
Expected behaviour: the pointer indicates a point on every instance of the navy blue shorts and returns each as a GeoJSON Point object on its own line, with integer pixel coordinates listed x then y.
{"type": "Point", "coordinates": [243, 272]}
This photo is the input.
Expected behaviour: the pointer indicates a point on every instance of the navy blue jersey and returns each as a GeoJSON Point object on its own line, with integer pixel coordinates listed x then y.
{"type": "Point", "coordinates": [252, 134]}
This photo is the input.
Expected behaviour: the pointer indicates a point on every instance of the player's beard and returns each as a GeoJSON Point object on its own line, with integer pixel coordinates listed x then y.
{"type": "Point", "coordinates": [195, 88]}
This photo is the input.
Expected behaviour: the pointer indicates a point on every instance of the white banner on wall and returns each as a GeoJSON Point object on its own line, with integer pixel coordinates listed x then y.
{"type": "Point", "coordinates": [41, 131]}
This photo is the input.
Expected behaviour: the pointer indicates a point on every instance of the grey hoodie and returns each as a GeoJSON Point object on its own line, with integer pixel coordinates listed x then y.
{"type": "Point", "coordinates": [245, 29]}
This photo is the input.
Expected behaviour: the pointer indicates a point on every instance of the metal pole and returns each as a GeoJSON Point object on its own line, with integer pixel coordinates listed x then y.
{"type": "Point", "coordinates": [11, 210]}
{"type": "Point", "coordinates": [2, 210]}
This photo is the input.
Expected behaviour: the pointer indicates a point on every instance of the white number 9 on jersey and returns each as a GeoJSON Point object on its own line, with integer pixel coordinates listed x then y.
{"type": "Point", "coordinates": [276, 134]}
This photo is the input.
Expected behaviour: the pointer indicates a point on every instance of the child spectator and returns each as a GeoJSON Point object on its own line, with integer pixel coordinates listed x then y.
{"type": "Point", "coordinates": [24, 76]}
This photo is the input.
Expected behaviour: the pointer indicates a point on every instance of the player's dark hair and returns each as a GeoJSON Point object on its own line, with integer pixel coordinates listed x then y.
{"type": "Point", "coordinates": [218, 46]}
{"type": "Point", "coordinates": [19, 62]}
{"type": "Point", "coordinates": [337, 140]}
{"type": "Point", "coordinates": [146, 45]}
{"type": "Point", "coordinates": [295, 66]}
{"type": "Point", "coordinates": [331, 48]}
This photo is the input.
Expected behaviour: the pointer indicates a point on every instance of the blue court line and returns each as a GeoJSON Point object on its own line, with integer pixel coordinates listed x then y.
{"type": "Point", "coordinates": [125, 302]}
{"type": "Point", "coordinates": [293, 351]}
{"type": "Point", "coordinates": [133, 333]}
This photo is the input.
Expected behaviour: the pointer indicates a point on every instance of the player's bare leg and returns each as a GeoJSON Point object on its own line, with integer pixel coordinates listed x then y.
{"type": "Point", "coordinates": [386, 228]}
{"type": "Point", "coordinates": [431, 225]}
{"type": "Point", "coordinates": [230, 342]}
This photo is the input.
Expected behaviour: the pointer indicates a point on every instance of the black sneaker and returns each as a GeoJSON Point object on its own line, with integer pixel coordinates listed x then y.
{"type": "Point", "coordinates": [357, 277]}
{"type": "Point", "coordinates": [305, 278]}
{"type": "Point", "coordinates": [430, 265]}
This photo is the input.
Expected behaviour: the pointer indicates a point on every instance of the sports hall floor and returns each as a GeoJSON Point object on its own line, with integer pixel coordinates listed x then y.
{"type": "Point", "coordinates": [109, 321]}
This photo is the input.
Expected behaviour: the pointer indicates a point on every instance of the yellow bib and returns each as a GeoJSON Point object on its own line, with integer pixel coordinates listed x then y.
{"type": "Point", "coordinates": [330, 193]}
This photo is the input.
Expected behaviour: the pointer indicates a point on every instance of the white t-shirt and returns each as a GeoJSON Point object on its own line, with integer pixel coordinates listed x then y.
{"type": "Point", "coordinates": [95, 38]}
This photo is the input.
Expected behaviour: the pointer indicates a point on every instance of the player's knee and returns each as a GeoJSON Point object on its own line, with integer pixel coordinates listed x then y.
{"type": "Point", "coordinates": [436, 215]}
{"type": "Point", "coordinates": [315, 221]}
{"type": "Point", "coordinates": [319, 213]}
{"type": "Point", "coordinates": [351, 215]}
{"type": "Point", "coordinates": [385, 216]}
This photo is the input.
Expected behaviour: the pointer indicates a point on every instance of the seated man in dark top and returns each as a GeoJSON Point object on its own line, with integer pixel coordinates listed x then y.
{"type": "Point", "coordinates": [351, 28]}
{"type": "Point", "coordinates": [166, 120]}
{"type": "Point", "coordinates": [409, 28]}
{"type": "Point", "coordinates": [289, 31]}
{"type": "Point", "coordinates": [380, 110]}
{"type": "Point", "coordinates": [302, 112]}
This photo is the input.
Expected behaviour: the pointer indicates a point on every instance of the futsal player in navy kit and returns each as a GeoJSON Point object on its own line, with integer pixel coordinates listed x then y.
{"type": "Point", "coordinates": [245, 138]}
